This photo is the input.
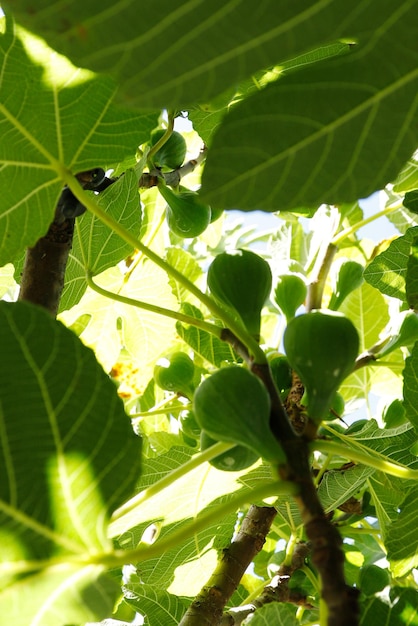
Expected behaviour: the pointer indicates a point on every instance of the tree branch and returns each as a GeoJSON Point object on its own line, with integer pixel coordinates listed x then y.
{"type": "Point", "coordinates": [44, 269]}
{"type": "Point", "coordinates": [173, 178]}
{"type": "Point", "coordinates": [208, 606]}
{"type": "Point", "coordinates": [327, 555]}
{"type": "Point", "coordinates": [45, 264]}
{"type": "Point", "coordinates": [277, 591]}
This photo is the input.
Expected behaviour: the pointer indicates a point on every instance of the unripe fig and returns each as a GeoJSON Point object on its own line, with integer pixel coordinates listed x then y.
{"type": "Point", "coordinates": [357, 426]}
{"type": "Point", "coordinates": [234, 406]}
{"type": "Point", "coordinates": [241, 281]}
{"type": "Point", "coordinates": [322, 347]}
{"type": "Point", "coordinates": [188, 424]}
{"type": "Point", "coordinates": [350, 276]}
{"type": "Point", "coordinates": [215, 214]}
{"type": "Point", "coordinates": [336, 410]}
{"type": "Point", "coordinates": [174, 372]}
{"type": "Point", "coordinates": [233, 460]}
{"type": "Point", "coordinates": [172, 154]}
{"type": "Point", "coordinates": [281, 373]}
{"type": "Point", "coordinates": [372, 579]}
{"type": "Point", "coordinates": [186, 215]}
{"type": "Point", "coordinates": [290, 294]}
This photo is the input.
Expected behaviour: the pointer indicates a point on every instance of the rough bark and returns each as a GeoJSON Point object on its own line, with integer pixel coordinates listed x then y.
{"type": "Point", "coordinates": [207, 608]}
{"type": "Point", "coordinates": [44, 269]}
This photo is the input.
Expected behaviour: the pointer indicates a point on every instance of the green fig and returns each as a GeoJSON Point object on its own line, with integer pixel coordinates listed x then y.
{"type": "Point", "coordinates": [241, 281]}
{"type": "Point", "coordinates": [233, 460]}
{"type": "Point", "coordinates": [188, 424]}
{"type": "Point", "coordinates": [281, 373]}
{"type": "Point", "coordinates": [372, 579]}
{"type": "Point", "coordinates": [350, 276]}
{"type": "Point", "coordinates": [215, 214]}
{"type": "Point", "coordinates": [290, 294]}
{"type": "Point", "coordinates": [186, 215]}
{"type": "Point", "coordinates": [171, 155]}
{"type": "Point", "coordinates": [336, 410]}
{"type": "Point", "coordinates": [174, 372]}
{"type": "Point", "coordinates": [233, 406]}
{"type": "Point", "coordinates": [322, 347]}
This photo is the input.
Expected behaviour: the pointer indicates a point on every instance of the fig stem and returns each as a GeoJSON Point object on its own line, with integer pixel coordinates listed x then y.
{"type": "Point", "coordinates": [316, 287]}
{"type": "Point", "coordinates": [196, 460]}
{"type": "Point", "coordinates": [172, 178]}
{"type": "Point", "coordinates": [352, 230]}
{"type": "Point", "coordinates": [361, 454]}
{"type": "Point", "coordinates": [153, 308]}
{"type": "Point", "coordinates": [117, 558]}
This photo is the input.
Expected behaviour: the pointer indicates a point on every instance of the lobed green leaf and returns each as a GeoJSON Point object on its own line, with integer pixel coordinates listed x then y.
{"type": "Point", "coordinates": [163, 608]}
{"type": "Point", "coordinates": [402, 537]}
{"type": "Point", "coordinates": [68, 458]}
{"type": "Point", "coordinates": [328, 134]}
{"type": "Point", "coordinates": [387, 272]}
{"type": "Point", "coordinates": [95, 246]}
{"type": "Point", "coordinates": [80, 129]}
{"type": "Point", "coordinates": [158, 58]}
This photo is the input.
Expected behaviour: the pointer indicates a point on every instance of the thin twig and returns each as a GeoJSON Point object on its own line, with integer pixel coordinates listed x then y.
{"type": "Point", "coordinates": [172, 178]}
{"type": "Point", "coordinates": [316, 287]}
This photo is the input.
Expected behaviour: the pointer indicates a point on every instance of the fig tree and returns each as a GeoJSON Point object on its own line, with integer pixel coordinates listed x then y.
{"type": "Point", "coordinates": [242, 281]}
{"type": "Point", "coordinates": [322, 347]}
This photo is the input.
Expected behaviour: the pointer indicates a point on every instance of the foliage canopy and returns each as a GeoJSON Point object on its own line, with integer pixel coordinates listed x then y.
{"type": "Point", "coordinates": [115, 500]}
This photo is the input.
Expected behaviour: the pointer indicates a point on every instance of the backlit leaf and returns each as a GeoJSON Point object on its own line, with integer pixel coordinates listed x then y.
{"type": "Point", "coordinates": [68, 457]}
{"type": "Point", "coordinates": [328, 134]}
{"type": "Point", "coordinates": [80, 130]}
{"type": "Point", "coordinates": [387, 272]}
{"type": "Point", "coordinates": [402, 537]}
{"type": "Point", "coordinates": [158, 58]}
{"type": "Point", "coordinates": [95, 246]}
